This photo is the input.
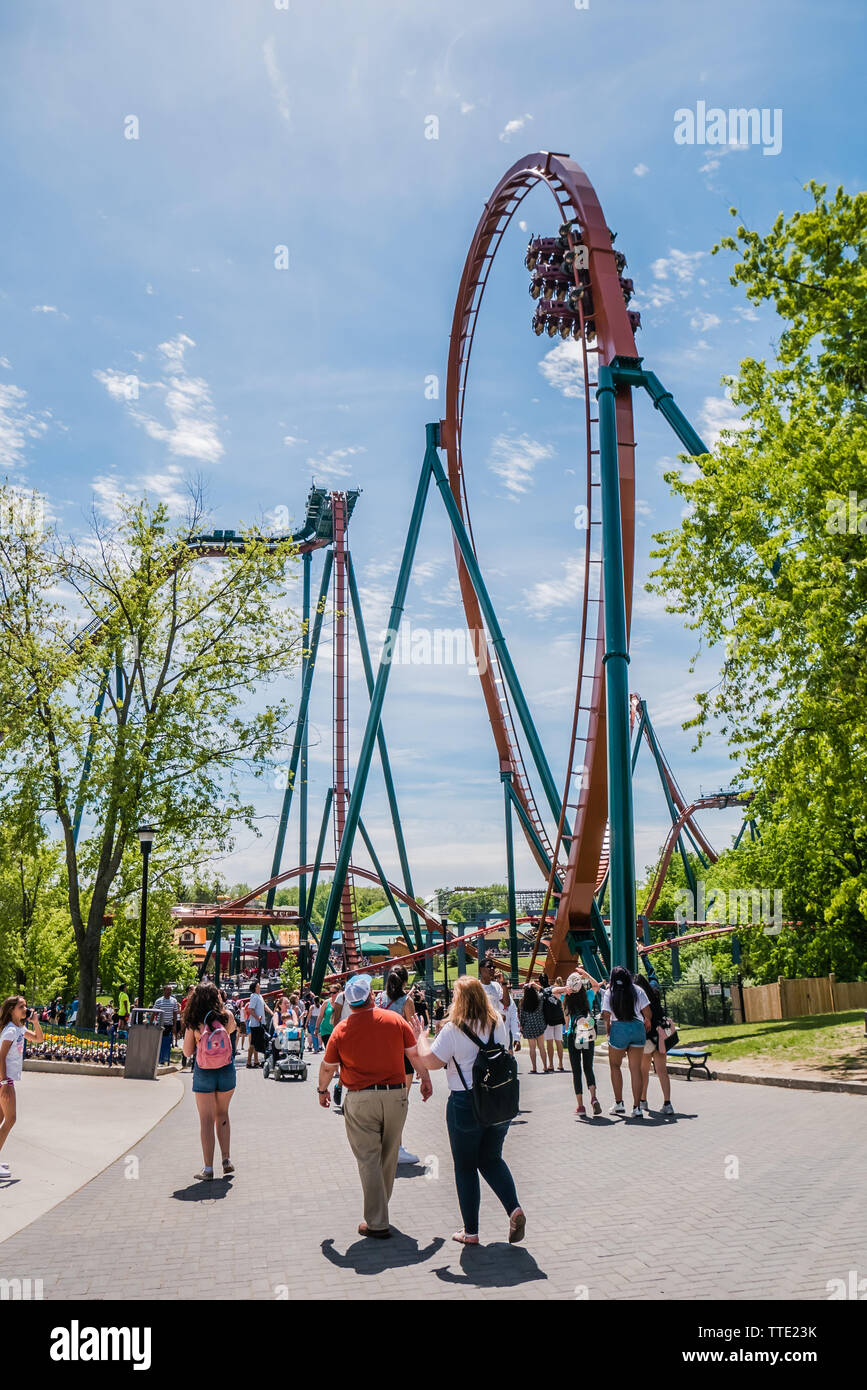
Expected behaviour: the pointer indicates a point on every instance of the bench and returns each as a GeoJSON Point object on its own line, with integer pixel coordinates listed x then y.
{"type": "Point", "coordinates": [697, 1058]}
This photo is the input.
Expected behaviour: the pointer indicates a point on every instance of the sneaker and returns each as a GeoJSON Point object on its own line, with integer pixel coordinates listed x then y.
{"type": "Point", "coordinates": [637, 1112]}
{"type": "Point", "coordinates": [597, 1108]}
{"type": "Point", "coordinates": [404, 1156]}
{"type": "Point", "coordinates": [668, 1108]}
{"type": "Point", "coordinates": [228, 1166]}
{"type": "Point", "coordinates": [617, 1109]}
{"type": "Point", "coordinates": [579, 1110]}
{"type": "Point", "coordinates": [206, 1175]}
{"type": "Point", "coordinates": [645, 1107]}
{"type": "Point", "coordinates": [5, 1170]}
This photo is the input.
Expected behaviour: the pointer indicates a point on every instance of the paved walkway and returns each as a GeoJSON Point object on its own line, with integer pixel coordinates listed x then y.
{"type": "Point", "coordinates": [69, 1128]}
{"type": "Point", "coordinates": [749, 1193]}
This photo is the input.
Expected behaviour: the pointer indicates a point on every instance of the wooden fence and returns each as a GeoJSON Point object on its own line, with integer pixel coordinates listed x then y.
{"type": "Point", "coordinates": [799, 998]}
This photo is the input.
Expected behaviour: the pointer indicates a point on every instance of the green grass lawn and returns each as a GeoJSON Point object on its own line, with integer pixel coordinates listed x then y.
{"type": "Point", "coordinates": [830, 1043]}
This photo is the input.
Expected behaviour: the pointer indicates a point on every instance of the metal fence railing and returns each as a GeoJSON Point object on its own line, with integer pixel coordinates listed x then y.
{"type": "Point", "coordinates": [704, 1004]}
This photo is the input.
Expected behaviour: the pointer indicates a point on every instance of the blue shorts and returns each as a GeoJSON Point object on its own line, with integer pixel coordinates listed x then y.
{"type": "Point", "coordinates": [623, 1035]}
{"type": "Point", "coordinates": [207, 1081]}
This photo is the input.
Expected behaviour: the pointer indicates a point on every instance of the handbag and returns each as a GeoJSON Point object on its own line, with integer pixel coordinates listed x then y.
{"type": "Point", "coordinates": [671, 1035]}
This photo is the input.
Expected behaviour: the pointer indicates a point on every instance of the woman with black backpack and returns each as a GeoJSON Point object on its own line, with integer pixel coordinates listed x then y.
{"type": "Point", "coordinates": [655, 1048]}
{"type": "Point", "coordinates": [476, 1136]}
{"type": "Point", "coordinates": [552, 1011]}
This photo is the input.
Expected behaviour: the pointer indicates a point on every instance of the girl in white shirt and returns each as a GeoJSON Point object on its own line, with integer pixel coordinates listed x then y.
{"type": "Point", "coordinates": [13, 1032]}
{"type": "Point", "coordinates": [476, 1149]}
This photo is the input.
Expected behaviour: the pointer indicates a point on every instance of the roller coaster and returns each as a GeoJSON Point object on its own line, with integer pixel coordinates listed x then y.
{"type": "Point", "coordinates": [581, 834]}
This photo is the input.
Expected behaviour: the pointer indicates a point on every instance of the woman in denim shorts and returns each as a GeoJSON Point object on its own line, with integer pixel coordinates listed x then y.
{"type": "Point", "coordinates": [212, 1088]}
{"type": "Point", "coordinates": [626, 1011]}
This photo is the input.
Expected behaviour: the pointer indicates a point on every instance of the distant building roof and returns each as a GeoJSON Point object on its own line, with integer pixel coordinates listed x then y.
{"type": "Point", "coordinates": [384, 919]}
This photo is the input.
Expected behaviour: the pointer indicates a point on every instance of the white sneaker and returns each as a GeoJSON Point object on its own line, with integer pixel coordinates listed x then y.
{"type": "Point", "coordinates": [645, 1107]}
{"type": "Point", "coordinates": [668, 1108]}
{"type": "Point", "coordinates": [404, 1156]}
{"type": "Point", "coordinates": [5, 1170]}
{"type": "Point", "coordinates": [637, 1112]}
{"type": "Point", "coordinates": [617, 1108]}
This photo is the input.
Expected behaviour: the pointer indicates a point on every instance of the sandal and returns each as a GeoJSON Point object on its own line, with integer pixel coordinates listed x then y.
{"type": "Point", "coordinates": [517, 1226]}
{"type": "Point", "coordinates": [463, 1239]}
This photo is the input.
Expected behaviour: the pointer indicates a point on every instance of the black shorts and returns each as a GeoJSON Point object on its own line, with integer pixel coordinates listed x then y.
{"type": "Point", "coordinates": [257, 1037]}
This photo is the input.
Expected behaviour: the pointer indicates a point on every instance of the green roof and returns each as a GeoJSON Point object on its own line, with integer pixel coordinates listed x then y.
{"type": "Point", "coordinates": [384, 919]}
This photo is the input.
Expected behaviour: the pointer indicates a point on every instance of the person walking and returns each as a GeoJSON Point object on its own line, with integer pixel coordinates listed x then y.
{"type": "Point", "coordinates": [552, 1011]}
{"type": "Point", "coordinates": [626, 1013]}
{"type": "Point", "coordinates": [256, 1008]}
{"type": "Point", "coordinates": [396, 999]}
{"type": "Point", "coordinates": [123, 1010]}
{"type": "Point", "coordinates": [495, 991]}
{"type": "Point", "coordinates": [168, 1009]}
{"type": "Point", "coordinates": [314, 1009]}
{"type": "Point", "coordinates": [476, 1149]}
{"type": "Point", "coordinates": [14, 1032]}
{"type": "Point", "coordinates": [580, 1035]}
{"type": "Point", "coordinates": [533, 1024]}
{"type": "Point", "coordinates": [208, 1027]}
{"type": "Point", "coordinates": [654, 1049]}
{"type": "Point", "coordinates": [369, 1046]}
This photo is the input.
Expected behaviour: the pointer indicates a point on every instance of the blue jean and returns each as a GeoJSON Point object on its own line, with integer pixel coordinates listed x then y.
{"type": "Point", "coordinates": [165, 1047]}
{"type": "Point", "coordinates": [477, 1149]}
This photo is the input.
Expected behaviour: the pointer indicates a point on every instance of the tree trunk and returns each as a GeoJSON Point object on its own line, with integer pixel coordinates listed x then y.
{"type": "Point", "coordinates": [88, 966]}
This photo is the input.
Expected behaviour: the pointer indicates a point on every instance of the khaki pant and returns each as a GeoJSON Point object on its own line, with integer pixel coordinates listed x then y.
{"type": "Point", "coordinates": [374, 1128]}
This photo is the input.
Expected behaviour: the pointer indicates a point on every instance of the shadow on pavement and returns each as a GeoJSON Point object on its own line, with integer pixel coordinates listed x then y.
{"type": "Point", "coordinates": [373, 1256]}
{"type": "Point", "coordinates": [204, 1191]}
{"type": "Point", "coordinates": [497, 1266]}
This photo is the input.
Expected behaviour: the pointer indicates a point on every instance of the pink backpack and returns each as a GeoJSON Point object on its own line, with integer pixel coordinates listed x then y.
{"type": "Point", "coordinates": [214, 1048]}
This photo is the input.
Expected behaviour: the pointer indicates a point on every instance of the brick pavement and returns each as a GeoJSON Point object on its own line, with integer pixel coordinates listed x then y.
{"type": "Point", "coordinates": [617, 1209]}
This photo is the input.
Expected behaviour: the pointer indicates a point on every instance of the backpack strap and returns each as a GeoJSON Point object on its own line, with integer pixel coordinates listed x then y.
{"type": "Point", "coordinates": [471, 1035]}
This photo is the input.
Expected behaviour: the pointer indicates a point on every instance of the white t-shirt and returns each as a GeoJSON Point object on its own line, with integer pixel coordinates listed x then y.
{"type": "Point", "coordinates": [451, 1045]}
{"type": "Point", "coordinates": [14, 1034]}
{"type": "Point", "coordinates": [641, 1002]}
{"type": "Point", "coordinates": [255, 1010]}
{"type": "Point", "coordinates": [494, 991]}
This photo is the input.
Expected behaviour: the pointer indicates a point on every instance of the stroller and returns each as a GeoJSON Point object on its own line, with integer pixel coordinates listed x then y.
{"type": "Point", "coordinates": [285, 1057]}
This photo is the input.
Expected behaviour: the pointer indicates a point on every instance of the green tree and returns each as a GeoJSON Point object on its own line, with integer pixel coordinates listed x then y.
{"type": "Point", "coordinates": [769, 565]}
{"type": "Point", "coordinates": [182, 650]}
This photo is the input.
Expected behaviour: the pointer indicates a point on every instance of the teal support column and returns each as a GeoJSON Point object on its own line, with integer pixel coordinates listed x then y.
{"type": "Point", "coordinates": [365, 755]}
{"type": "Point", "coordinates": [320, 850]}
{"type": "Point", "coordinates": [498, 642]}
{"type": "Point", "coordinates": [506, 778]}
{"type": "Point", "coordinates": [383, 752]}
{"type": "Point", "coordinates": [386, 888]}
{"type": "Point", "coordinates": [302, 790]}
{"type": "Point", "coordinates": [616, 662]}
{"type": "Point", "coordinates": [299, 727]}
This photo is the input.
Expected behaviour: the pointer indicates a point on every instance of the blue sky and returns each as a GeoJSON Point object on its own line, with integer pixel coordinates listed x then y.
{"type": "Point", "coordinates": [305, 127]}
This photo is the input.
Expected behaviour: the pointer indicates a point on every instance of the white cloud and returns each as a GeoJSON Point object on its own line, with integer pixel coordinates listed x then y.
{"type": "Point", "coordinates": [563, 368]}
{"type": "Point", "coordinates": [291, 439]}
{"type": "Point", "coordinates": [682, 265]}
{"type": "Point", "coordinates": [275, 77]}
{"type": "Point", "coordinates": [718, 413]}
{"type": "Point", "coordinates": [640, 170]}
{"type": "Point", "coordinates": [557, 593]}
{"type": "Point", "coordinates": [4, 362]}
{"type": "Point", "coordinates": [17, 426]}
{"type": "Point", "coordinates": [513, 127]}
{"type": "Point", "coordinates": [330, 467]}
{"type": "Point", "coordinates": [45, 309]}
{"type": "Point", "coordinates": [513, 460]}
{"type": "Point", "coordinates": [149, 289]}
{"type": "Point", "coordinates": [467, 107]}
{"type": "Point", "coordinates": [701, 322]}
{"type": "Point", "coordinates": [191, 431]}
{"type": "Point", "coordinates": [747, 312]}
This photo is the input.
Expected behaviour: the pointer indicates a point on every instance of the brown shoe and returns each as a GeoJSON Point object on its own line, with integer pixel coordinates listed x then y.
{"type": "Point", "coordinates": [365, 1230]}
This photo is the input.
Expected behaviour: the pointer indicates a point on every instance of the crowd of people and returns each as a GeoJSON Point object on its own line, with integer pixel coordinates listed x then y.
{"type": "Point", "coordinates": [375, 1045]}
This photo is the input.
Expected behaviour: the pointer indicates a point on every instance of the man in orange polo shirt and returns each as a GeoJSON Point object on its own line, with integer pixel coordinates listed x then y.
{"type": "Point", "coordinates": [368, 1045]}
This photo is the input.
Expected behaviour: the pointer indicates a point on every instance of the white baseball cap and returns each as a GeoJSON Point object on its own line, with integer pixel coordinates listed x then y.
{"type": "Point", "coordinates": [357, 990]}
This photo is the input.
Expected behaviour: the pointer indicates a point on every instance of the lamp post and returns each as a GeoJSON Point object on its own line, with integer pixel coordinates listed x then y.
{"type": "Point", "coordinates": [145, 838]}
